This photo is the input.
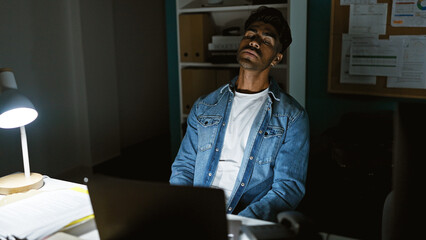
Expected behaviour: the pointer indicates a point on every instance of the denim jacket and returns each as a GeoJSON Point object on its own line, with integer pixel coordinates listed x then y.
{"type": "Point", "coordinates": [273, 170]}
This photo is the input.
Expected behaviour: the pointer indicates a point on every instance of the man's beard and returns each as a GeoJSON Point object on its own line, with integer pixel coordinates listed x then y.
{"type": "Point", "coordinates": [247, 63]}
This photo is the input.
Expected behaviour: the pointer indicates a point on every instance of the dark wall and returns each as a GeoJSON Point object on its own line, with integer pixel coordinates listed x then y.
{"type": "Point", "coordinates": [140, 35]}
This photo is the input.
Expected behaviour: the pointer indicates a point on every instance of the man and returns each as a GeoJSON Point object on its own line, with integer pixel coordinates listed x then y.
{"type": "Point", "coordinates": [248, 137]}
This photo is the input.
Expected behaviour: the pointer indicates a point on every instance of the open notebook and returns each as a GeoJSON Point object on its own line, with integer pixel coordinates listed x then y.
{"type": "Point", "coordinates": [131, 209]}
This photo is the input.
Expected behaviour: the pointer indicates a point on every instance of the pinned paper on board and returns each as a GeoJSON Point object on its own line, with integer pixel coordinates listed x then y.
{"type": "Point", "coordinates": [378, 58]}
{"type": "Point", "coordinates": [408, 13]}
{"type": "Point", "coordinates": [345, 77]}
{"type": "Point", "coordinates": [413, 72]}
{"type": "Point", "coordinates": [368, 18]}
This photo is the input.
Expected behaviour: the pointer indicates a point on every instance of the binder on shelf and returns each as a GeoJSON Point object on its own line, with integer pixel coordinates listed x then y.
{"type": "Point", "coordinates": [195, 32]}
{"type": "Point", "coordinates": [224, 76]}
{"type": "Point", "coordinates": [201, 81]}
{"type": "Point", "coordinates": [195, 83]}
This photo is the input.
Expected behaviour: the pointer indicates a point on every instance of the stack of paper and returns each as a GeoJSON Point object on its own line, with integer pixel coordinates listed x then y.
{"type": "Point", "coordinates": [44, 213]}
{"type": "Point", "coordinates": [223, 49]}
{"type": "Point", "coordinates": [224, 43]}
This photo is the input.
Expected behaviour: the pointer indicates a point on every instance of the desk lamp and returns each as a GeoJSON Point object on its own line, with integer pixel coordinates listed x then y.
{"type": "Point", "coordinates": [17, 111]}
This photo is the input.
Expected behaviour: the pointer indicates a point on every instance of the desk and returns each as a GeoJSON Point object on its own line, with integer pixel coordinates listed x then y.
{"type": "Point", "coordinates": [91, 233]}
{"type": "Point", "coordinates": [86, 229]}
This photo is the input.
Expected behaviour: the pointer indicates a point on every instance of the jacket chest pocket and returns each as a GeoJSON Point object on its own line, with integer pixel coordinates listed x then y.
{"type": "Point", "coordinates": [207, 130]}
{"type": "Point", "coordinates": [271, 142]}
{"type": "Point", "coordinates": [273, 132]}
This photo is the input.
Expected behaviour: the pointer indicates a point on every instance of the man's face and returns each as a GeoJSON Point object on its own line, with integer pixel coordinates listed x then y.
{"type": "Point", "coordinates": [259, 47]}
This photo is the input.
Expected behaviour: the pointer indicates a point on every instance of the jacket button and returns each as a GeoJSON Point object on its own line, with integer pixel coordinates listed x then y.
{"type": "Point", "coordinates": [210, 174]}
{"type": "Point", "coordinates": [229, 209]}
{"type": "Point", "coordinates": [251, 157]}
{"type": "Point", "coordinates": [217, 149]}
{"type": "Point", "coordinates": [260, 132]}
{"type": "Point", "coordinates": [242, 184]}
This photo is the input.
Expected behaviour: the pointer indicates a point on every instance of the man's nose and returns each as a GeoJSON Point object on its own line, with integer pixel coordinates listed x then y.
{"type": "Point", "coordinates": [254, 43]}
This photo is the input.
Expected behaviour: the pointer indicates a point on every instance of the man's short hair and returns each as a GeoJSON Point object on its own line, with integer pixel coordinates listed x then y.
{"type": "Point", "coordinates": [275, 18]}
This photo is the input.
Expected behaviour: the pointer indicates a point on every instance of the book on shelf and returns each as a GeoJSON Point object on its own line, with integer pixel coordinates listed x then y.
{"type": "Point", "coordinates": [223, 56]}
{"type": "Point", "coordinates": [223, 46]}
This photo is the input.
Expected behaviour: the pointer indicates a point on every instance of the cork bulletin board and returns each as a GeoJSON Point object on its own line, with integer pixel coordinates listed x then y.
{"type": "Point", "coordinates": [339, 24]}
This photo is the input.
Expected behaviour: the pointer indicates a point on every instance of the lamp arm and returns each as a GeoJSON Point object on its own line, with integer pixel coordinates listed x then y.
{"type": "Point", "coordinates": [25, 152]}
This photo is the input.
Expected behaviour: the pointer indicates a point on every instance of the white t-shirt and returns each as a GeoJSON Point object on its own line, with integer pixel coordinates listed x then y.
{"type": "Point", "coordinates": [243, 112]}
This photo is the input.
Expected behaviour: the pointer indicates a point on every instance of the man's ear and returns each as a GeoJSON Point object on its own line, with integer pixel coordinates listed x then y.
{"type": "Point", "coordinates": [277, 58]}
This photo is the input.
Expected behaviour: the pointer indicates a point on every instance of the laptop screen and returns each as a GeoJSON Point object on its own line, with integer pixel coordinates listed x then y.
{"type": "Point", "coordinates": [131, 209]}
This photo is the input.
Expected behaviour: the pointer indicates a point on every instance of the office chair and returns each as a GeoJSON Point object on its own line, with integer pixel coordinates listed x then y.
{"type": "Point", "coordinates": [404, 209]}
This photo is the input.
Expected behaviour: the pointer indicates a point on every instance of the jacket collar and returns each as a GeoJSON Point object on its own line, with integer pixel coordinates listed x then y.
{"type": "Point", "coordinates": [274, 89]}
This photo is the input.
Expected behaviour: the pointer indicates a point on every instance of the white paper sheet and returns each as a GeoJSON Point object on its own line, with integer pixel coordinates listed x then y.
{"type": "Point", "coordinates": [413, 72]}
{"type": "Point", "coordinates": [345, 77]}
{"type": "Point", "coordinates": [43, 214]}
{"type": "Point", "coordinates": [368, 18]}
{"type": "Point", "coordinates": [377, 58]}
{"type": "Point", "coordinates": [408, 13]}
{"type": "Point", "coordinates": [349, 2]}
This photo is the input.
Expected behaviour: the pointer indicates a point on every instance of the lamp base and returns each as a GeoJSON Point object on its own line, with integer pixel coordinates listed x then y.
{"type": "Point", "coordinates": [15, 183]}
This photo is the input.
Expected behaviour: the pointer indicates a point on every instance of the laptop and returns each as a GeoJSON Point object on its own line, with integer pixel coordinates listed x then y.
{"type": "Point", "coordinates": [131, 209]}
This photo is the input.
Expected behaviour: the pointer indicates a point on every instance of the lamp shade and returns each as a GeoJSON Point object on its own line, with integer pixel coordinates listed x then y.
{"type": "Point", "coordinates": [15, 109]}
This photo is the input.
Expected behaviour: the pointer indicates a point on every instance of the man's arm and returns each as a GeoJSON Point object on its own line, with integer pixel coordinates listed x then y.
{"type": "Point", "coordinates": [184, 164]}
{"type": "Point", "coordinates": [290, 169]}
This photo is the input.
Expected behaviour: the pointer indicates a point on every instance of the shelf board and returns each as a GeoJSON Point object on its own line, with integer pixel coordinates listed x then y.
{"type": "Point", "coordinates": [220, 65]}
{"type": "Point", "coordinates": [207, 64]}
{"type": "Point", "coordinates": [197, 6]}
